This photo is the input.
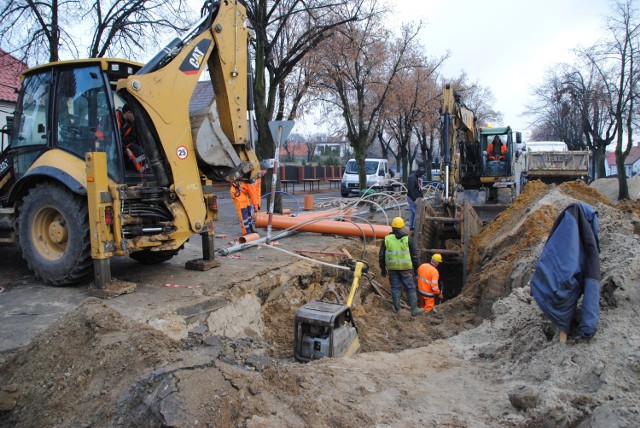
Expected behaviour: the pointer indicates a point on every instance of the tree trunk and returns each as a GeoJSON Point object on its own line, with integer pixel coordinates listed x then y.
{"type": "Point", "coordinates": [623, 187]}
{"type": "Point", "coordinates": [599, 160]}
{"type": "Point", "coordinates": [54, 38]}
{"type": "Point", "coordinates": [360, 156]}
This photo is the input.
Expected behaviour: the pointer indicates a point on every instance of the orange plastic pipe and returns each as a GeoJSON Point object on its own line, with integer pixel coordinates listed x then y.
{"type": "Point", "coordinates": [248, 238]}
{"type": "Point", "coordinates": [327, 213]}
{"type": "Point", "coordinates": [308, 202]}
{"type": "Point", "coordinates": [324, 226]}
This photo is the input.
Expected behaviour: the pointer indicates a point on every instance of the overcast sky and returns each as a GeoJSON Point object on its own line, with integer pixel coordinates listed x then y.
{"type": "Point", "coordinates": [506, 45]}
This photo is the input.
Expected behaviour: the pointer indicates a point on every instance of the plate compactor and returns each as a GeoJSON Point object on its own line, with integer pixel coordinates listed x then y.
{"type": "Point", "coordinates": [325, 329]}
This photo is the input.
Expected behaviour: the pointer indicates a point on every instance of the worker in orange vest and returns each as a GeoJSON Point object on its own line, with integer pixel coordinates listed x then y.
{"type": "Point", "coordinates": [497, 149]}
{"type": "Point", "coordinates": [240, 195]}
{"type": "Point", "coordinates": [428, 277]}
{"type": "Point", "coordinates": [255, 191]}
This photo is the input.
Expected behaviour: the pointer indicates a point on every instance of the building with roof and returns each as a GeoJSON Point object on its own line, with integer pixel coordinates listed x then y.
{"type": "Point", "coordinates": [631, 163]}
{"type": "Point", "coordinates": [10, 69]}
{"type": "Point", "coordinates": [202, 97]}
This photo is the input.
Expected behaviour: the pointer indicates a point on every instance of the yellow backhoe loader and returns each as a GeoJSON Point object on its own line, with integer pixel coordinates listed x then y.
{"type": "Point", "coordinates": [69, 194]}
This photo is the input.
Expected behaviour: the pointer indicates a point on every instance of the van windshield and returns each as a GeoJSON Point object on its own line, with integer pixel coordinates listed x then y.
{"type": "Point", "coordinates": [371, 167]}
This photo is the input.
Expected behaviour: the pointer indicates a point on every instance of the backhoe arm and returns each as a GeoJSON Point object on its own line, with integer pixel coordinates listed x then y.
{"type": "Point", "coordinates": [215, 143]}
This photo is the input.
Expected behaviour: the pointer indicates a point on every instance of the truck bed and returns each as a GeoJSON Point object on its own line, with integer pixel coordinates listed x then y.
{"type": "Point", "coordinates": [565, 164]}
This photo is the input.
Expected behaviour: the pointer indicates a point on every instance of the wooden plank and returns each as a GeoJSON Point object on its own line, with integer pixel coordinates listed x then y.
{"type": "Point", "coordinates": [443, 219]}
{"type": "Point", "coordinates": [443, 251]}
{"type": "Point", "coordinates": [563, 337]}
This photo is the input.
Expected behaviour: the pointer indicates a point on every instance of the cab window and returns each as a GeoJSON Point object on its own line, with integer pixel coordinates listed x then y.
{"type": "Point", "coordinates": [83, 118]}
{"type": "Point", "coordinates": [32, 111]}
{"type": "Point", "coordinates": [31, 124]}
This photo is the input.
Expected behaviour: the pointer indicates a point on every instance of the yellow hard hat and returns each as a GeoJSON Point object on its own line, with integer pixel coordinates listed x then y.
{"type": "Point", "coordinates": [437, 257]}
{"type": "Point", "coordinates": [397, 223]}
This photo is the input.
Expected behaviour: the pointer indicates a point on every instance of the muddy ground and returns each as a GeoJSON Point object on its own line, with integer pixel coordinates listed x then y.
{"type": "Point", "coordinates": [222, 354]}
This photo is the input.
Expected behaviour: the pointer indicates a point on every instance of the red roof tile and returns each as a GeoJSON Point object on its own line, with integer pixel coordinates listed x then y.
{"type": "Point", "coordinates": [10, 69]}
{"type": "Point", "coordinates": [296, 148]}
{"type": "Point", "coordinates": [634, 155]}
{"type": "Point", "coordinates": [611, 158]}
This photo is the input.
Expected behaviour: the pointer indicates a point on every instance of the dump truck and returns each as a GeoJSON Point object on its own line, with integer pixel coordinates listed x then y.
{"type": "Point", "coordinates": [67, 196]}
{"type": "Point", "coordinates": [552, 162]}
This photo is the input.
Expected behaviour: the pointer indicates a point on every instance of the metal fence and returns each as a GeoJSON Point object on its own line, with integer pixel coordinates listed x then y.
{"type": "Point", "coordinates": [302, 172]}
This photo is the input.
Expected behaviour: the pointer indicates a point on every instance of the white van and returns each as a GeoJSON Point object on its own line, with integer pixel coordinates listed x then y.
{"type": "Point", "coordinates": [378, 175]}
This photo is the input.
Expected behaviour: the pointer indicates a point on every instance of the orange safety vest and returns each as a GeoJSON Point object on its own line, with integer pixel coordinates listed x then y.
{"type": "Point", "coordinates": [239, 194]}
{"type": "Point", "coordinates": [255, 193]}
{"type": "Point", "coordinates": [498, 156]}
{"type": "Point", "coordinates": [428, 290]}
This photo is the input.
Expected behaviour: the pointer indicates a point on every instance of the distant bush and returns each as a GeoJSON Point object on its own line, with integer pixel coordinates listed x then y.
{"type": "Point", "coordinates": [330, 161]}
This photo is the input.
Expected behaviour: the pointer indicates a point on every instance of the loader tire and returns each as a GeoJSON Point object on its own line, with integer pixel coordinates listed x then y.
{"type": "Point", "coordinates": [53, 231]}
{"type": "Point", "coordinates": [149, 257]}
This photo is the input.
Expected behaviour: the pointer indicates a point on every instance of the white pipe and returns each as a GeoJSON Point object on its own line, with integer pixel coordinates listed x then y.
{"type": "Point", "coordinates": [240, 247]}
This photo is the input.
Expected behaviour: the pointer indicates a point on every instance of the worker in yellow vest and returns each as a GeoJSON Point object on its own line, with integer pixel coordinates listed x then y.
{"type": "Point", "coordinates": [398, 258]}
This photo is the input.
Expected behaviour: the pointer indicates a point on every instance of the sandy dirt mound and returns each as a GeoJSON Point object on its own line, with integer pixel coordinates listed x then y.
{"type": "Point", "coordinates": [487, 358]}
{"type": "Point", "coordinates": [609, 187]}
{"type": "Point", "coordinates": [502, 257]}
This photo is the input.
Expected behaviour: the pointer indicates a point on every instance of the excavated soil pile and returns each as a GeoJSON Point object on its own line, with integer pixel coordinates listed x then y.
{"type": "Point", "coordinates": [609, 187]}
{"type": "Point", "coordinates": [503, 256]}
{"type": "Point", "coordinates": [487, 358]}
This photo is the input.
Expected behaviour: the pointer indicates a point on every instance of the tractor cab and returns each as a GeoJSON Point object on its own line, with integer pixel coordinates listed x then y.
{"type": "Point", "coordinates": [70, 106]}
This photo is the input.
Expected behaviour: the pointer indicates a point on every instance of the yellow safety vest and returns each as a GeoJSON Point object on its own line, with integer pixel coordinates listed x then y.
{"type": "Point", "coordinates": [397, 255]}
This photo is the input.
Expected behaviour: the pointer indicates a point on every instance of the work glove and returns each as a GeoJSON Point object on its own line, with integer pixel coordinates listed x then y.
{"type": "Point", "coordinates": [441, 296]}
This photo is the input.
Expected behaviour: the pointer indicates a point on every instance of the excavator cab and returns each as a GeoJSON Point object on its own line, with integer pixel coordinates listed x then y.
{"type": "Point", "coordinates": [498, 159]}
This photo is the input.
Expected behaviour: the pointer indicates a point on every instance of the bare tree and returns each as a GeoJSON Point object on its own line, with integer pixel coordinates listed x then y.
{"type": "Point", "coordinates": [34, 31]}
{"type": "Point", "coordinates": [615, 60]}
{"type": "Point", "coordinates": [358, 67]}
{"type": "Point", "coordinates": [127, 28]}
{"type": "Point", "coordinates": [311, 150]}
{"type": "Point", "coordinates": [589, 98]}
{"type": "Point", "coordinates": [409, 100]}
{"type": "Point", "coordinates": [481, 100]}
{"type": "Point", "coordinates": [289, 151]}
{"type": "Point", "coordinates": [478, 98]}
{"type": "Point", "coordinates": [40, 31]}
{"type": "Point", "coordinates": [557, 113]}
{"type": "Point", "coordinates": [427, 127]}
{"type": "Point", "coordinates": [286, 32]}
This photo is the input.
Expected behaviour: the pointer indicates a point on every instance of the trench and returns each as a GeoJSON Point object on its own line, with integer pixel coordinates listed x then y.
{"type": "Point", "coordinates": [258, 324]}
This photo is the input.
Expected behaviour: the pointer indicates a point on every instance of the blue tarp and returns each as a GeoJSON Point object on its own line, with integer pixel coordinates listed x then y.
{"type": "Point", "coordinates": [568, 268]}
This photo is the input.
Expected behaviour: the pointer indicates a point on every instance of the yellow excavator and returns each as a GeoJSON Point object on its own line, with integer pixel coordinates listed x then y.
{"type": "Point", "coordinates": [472, 171]}
{"type": "Point", "coordinates": [69, 194]}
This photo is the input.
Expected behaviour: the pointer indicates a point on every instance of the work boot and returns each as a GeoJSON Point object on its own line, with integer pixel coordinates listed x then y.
{"type": "Point", "coordinates": [413, 302]}
{"type": "Point", "coordinates": [396, 303]}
